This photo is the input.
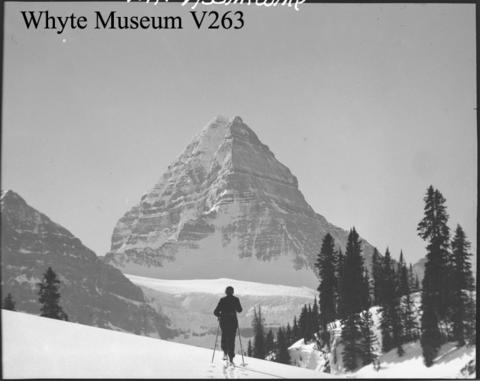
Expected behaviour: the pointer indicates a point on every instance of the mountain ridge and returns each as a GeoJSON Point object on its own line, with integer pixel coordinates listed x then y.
{"type": "Point", "coordinates": [92, 292]}
{"type": "Point", "coordinates": [226, 184]}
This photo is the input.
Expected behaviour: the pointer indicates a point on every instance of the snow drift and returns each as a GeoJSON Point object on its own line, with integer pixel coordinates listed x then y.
{"type": "Point", "coordinates": [36, 347]}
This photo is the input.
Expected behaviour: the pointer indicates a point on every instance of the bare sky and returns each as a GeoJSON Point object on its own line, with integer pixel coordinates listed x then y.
{"type": "Point", "coordinates": [366, 104]}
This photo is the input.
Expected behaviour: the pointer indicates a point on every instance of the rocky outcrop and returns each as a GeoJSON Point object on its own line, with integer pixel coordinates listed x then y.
{"type": "Point", "coordinates": [225, 208]}
{"type": "Point", "coordinates": [92, 292]}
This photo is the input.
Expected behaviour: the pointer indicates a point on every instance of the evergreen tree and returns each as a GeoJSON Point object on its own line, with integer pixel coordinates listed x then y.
{"type": "Point", "coordinates": [326, 269]}
{"type": "Point", "coordinates": [409, 323]}
{"type": "Point", "coordinates": [308, 325]}
{"type": "Point", "coordinates": [49, 296]}
{"type": "Point", "coordinates": [303, 323]}
{"type": "Point", "coordinates": [249, 349]}
{"type": "Point", "coordinates": [269, 342]}
{"type": "Point", "coordinates": [289, 335]}
{"type": "Point", "coordinates": [340, 260]}
{"type": "Point", "coordinates": [282, 355]}
{"type": "Point", "coordinates": [411, 279]}
{"type": "Point", "coordinates": [258, 335]}
{"type": "Point", "coordinates": [295, 330]}
{"type": "Point", "coordinates": [352, 294]}
{"type": "Point", "coordinates": [315, 317]}
{"type": "Point", "coordinates": [402, 276]}
{"type": "Point", "coordinates": [462, 283]}
{"type": "Point", "coordinates": [430, 334]}
{"type": "Point", "coordinates": [435, 293]}
{"type": "Point", "coordinates": [377, 275]}
{"type": "Point", "coordinates": [390, 322]}
{"type": "Point", "coordinates": [8, 303]}
{"type": "Point", "coordinates": [353, 281]}
{"type": "Point", "coordinates": [365, 291]}
{"type": "Point", "coordinates": [352, 340]}
{"type": "Point", "coordinates": [406, 305]}
{"type": "Point", "coordinates": [369, 340]}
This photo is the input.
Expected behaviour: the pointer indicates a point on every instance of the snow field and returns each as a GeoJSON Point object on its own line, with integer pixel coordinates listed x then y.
{"type": "Point", "coordinates": [36, 347]}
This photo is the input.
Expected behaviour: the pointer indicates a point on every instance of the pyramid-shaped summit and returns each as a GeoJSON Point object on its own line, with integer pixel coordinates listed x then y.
{"type": "Point", "coordinates": [226, 207]}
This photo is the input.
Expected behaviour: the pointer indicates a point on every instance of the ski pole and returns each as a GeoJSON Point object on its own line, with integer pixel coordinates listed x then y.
{"type": "Point", "coordinates": [241, 349]}
{"type": "Point", "coordinates": [216, 338]}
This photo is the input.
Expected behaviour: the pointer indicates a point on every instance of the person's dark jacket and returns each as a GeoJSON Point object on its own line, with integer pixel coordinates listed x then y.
{"type": "Point", "coordinates": [227, 308]}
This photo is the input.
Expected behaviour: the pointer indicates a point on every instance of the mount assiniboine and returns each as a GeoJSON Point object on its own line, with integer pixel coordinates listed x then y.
{"type": "Point", "coordinates": [225, 208]}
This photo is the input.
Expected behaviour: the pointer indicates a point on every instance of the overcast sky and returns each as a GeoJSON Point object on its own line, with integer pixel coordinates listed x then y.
{"type": "Point", "coordinates": [366, 104]}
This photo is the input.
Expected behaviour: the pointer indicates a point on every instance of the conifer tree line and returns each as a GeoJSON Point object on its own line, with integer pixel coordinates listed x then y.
{"type": "Point", "coordinates": [347, 291]}
{"type": "Point", "coordinates": [267, 346]}
{"type": "Point", "coordinates": [49, 297]}
{"type": "Point", "coordinates": [448, 303]}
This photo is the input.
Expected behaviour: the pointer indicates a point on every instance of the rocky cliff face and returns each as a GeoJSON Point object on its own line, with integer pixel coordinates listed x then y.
{"type": "Point", "coordinates": [92, 292]}
{"type": "Point", "coordinates": [226, 207]}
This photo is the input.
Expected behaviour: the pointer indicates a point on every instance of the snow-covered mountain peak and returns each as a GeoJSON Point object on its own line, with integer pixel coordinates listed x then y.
{"type": "Point", "coordinates": [226, 207]}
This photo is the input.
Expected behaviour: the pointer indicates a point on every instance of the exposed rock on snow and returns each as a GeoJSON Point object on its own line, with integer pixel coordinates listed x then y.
{"type": "Point", "coordinates": [92, 292]}
{"type": "Point", "coordinates": [226, 207]}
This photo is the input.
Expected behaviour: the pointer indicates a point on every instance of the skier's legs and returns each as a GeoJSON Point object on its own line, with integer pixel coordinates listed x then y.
{"type": "Point", "coordinates": [231, 342]}
{"type": "Point", "coordinates": [224, 340]}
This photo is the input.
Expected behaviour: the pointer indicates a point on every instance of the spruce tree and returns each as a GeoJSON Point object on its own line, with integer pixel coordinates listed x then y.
{"type": "Point", "coordinates": [353, 284]}
{"type": "Point", "coordinates": [402, 276]}
{"type": "Point", "coordinates": [49, 296]}
{"type": "Point", "coordinates": [353, 281]}
{"type": "Point", "coordinates": [315, 317]}
{"type": "Point", "coordinates": [411, 279]}
{"type": "Point", "coordinates": [406, 305]}
{"type": "Point", "coordinates": [326, 270]}
{"type": "Point", "coordinates": [249, 348]}
{"type": "Point", "coordinates": [340, 260]}
{"type": "Point", "coordinates": [295, 330]}
{"type": "Point", "coordinates": [388, 291]}
{"type": "Point", "coordinates": [377, 275]}
{"type": "Point", "coordinates": [288, 335]}
{"type": "Point", "coordinates": [462, 284]}
{"type": "Point", "coordinates": [269, 342]}
{"type": "Point", "coordinates": [8, 303]}
{"type": "Point", "coordinates": [259, 334]}
{"type": "Point", "coordinates": [352, 341]}
{"type": "Point", "coordinates": [369, 340]}
{"type": "Point", "coordinates": [390, 322]}
{"type": "Point", "coordinates": [302, 322]}
{"type": "Point", "coordinates": [308, 325]}
{"type": "Point", "coordinates": [282, 355]}
{"type": "Point", "coordinates": [435, 293]}
{"type": "Point", "coordinates": [430, 338]}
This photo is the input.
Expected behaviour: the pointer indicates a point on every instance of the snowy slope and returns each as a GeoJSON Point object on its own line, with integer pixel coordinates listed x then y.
{"type": "Point", "coordinates": [36, 347]}
{"type": "Point", "coordinates": [217, 287]}
{"type": "Point", "coordinates": [189, 304]}
{"type": "Point", "coordinates": [448, 364]}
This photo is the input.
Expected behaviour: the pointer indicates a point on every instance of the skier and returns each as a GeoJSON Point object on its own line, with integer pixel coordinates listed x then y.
{"type": "Point", "coordinates": [226, 312]}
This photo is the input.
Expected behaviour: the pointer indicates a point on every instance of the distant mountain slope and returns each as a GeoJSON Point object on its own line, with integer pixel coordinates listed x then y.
{"type": "Point", "coordinates": [35, 347]}
{"type": "Point", "coordinates": [92, 292]}
{"type": "Point", "coordinates": [226, 207]}
{"type": "Point", "coordinates": [190, 303]}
